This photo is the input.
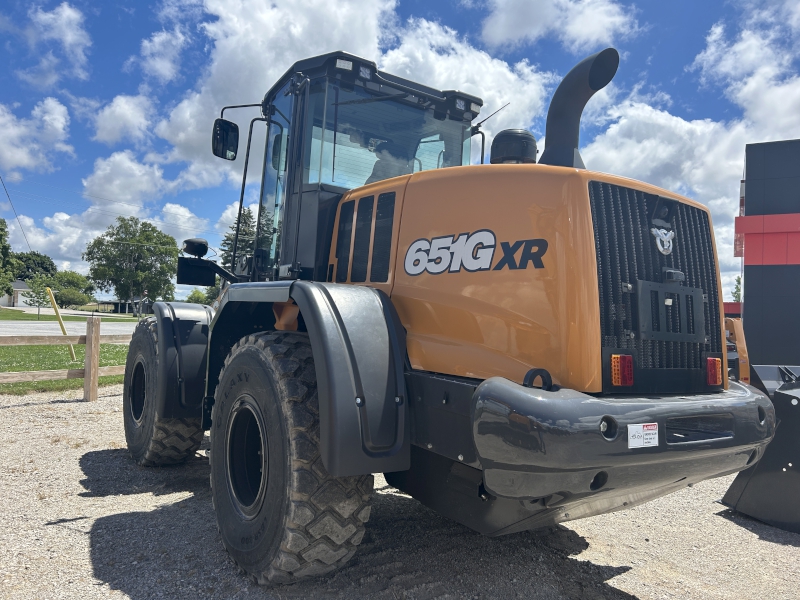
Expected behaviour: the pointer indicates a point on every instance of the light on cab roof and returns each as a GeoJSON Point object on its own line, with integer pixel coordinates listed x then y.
{"type": "Point", "coordinates": [344, 64]}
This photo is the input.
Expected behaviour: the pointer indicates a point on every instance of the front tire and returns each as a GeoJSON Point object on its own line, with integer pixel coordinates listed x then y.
{"type": "Point", "coordinates": [152, 441]}
{"type": "Point", "coordinates": [281, 516]}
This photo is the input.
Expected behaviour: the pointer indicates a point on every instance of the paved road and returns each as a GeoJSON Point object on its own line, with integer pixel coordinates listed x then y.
{"type": "Point", "coordinates": [52, 328]}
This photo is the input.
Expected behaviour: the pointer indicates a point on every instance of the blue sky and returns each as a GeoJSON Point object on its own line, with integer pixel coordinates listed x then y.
{"type": "Point", "coordinates": [106, 108]}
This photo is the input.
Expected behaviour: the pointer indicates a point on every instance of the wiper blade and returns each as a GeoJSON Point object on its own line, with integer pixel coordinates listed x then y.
{"type": "Point", "coordinates": [375, 99]}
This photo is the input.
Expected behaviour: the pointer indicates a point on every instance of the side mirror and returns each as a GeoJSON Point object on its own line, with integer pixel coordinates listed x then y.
{"type": "Point", "coordinates": [225, 139]}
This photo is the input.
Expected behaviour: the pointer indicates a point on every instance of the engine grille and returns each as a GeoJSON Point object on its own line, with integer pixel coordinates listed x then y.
{"type": "Point", "coordinates": [627, 253]}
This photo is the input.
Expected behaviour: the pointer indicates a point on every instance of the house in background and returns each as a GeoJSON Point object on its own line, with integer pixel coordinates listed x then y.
{"type": "Point", "coordinates": [17, 297]}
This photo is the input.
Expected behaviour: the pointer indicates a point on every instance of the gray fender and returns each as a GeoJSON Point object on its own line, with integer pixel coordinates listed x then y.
{"type": "Point", "coordinates": [182, 349]}
{"type": "Point", "coordinates": [359, 348]}
{"type": "Point", "coordinates": [359, 351]}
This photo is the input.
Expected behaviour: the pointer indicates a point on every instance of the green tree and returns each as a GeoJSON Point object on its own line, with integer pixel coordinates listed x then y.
{"type": "Point", "coordinates": [737, 289]}
{"type": "Point", "coordinates": [196, 297]}
{"type": "Point", "coordinates": [71, 298]}
{"type": "Point", "coordinates": [71, 289]}
{"type": "Point", "coordinates": [9, 265]}
{"type": "Point", "coordinates": [212, 293]}
{"type": "Point", "coordinates": [32, 263]}
{"type": "Point", "coordinates": [247, 235]}
{"type": "Point", "coordinates": [37, 296]}
{"type": "Point", "coordinates": [133, 257]}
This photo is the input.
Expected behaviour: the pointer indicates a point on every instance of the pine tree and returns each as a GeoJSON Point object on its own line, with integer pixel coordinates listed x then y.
{"type": "Point", "coordinates": [737, 289]}
{"type": "Point", "coordinates": [247, 235]}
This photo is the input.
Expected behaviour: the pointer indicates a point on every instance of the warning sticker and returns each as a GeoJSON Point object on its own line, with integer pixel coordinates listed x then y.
{"type": "Point", "coordinates": [642, 435]}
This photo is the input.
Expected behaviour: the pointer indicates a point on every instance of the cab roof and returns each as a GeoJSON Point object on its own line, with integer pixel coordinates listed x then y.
{"type": "Point", "coordinates": [317, 66]}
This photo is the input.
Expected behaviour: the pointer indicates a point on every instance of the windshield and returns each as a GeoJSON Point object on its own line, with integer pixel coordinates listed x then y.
{"type": "Point", "coordinates": [359, 137]}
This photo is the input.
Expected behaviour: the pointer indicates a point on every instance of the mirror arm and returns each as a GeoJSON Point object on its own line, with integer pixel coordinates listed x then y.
{"type": "Point", "coordinates": [224, 108]}
{"type": "Point", "coordinates": [209, 264]}
{"type": "Point", "coordinates": [241, 195]}
{"type": "Point", "coordinates": [476, 130]}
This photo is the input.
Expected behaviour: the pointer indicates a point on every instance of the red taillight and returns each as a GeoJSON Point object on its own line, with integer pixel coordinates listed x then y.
{"type": "Point", "coordinates": [621, 369]}
{"type": "Point", "coordinates": [714, 371]}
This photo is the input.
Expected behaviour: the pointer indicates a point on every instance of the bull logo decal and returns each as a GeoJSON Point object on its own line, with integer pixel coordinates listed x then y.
{"type": "Point", "coordinates": [663, 240]}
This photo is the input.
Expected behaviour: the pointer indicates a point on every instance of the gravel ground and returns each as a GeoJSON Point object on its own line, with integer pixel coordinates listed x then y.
{"type": "Point", "coordinates": [80, 520]}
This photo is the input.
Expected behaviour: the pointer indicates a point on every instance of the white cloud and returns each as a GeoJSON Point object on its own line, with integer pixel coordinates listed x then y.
{"type": "Point", "coordinates": [32, 144]}
{"type": "Point", "coordinates": [122, 178]}
{"type": "Point", "coordinates": [179, 222]}
{"type": "Point", "coordinates": [44, 75]}
{"type": "Point", "coordinates": [126, 117]}
{"type": "Point", "coordinates": [161, 54]}
{"type": "Point", "coordinates": [436, 55]}
{"type": "Point", "coordinates": [253, 43]}
{"type": "Point", "coordinates": [64, 25]}
{"type": "Point", "coordinates": [579, 24]}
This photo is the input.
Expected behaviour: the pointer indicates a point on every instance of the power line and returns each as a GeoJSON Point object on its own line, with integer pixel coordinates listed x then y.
{"type": "Point", "coordinates": [55, 187]}
{"type": "Point", "coordinates": [21, 228]}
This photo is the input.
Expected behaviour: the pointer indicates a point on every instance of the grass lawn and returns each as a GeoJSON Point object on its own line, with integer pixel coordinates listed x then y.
{"type": "Point", "coordinates": [7, 314]}
{"type": "Point", "coordinates": [46, 358]}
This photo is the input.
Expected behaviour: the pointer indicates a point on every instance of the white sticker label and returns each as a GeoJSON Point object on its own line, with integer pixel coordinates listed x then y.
{"type": "Point", "coordinates": [643, 435]}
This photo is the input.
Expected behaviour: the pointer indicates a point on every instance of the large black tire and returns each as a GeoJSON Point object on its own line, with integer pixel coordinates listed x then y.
{"type": "Point", "coordinates": [152, 441]}
{"type": "Point", "coordinates": [281, 516]}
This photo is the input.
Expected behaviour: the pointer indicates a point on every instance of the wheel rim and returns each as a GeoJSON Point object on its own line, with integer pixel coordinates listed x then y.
{"type": "Point", "coordinates": [137, 392]}
{"type": "Point", "coordinates": [247, 452]}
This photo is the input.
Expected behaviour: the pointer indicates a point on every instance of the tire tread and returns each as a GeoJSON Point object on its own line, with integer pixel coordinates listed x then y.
{"type": "Point", "coordinates": [174, 440]}
{"type": "Point", "coordinates": [325, 519]}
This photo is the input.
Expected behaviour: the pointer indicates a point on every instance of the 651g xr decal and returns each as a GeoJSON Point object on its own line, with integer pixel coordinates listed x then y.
{"type": "Point", "coordinates": [472, 252]}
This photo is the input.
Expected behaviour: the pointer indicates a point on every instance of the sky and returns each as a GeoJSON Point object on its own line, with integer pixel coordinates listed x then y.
{"type": "Point", "coordinates": [106, 108]}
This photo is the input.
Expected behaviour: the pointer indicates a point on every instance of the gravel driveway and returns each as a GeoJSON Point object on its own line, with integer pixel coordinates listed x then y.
{"type": "Point", "coordinates": [80, 520]}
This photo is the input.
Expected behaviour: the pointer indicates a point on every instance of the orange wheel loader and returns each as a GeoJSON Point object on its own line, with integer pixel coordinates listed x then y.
{"type": "Point", "coordinates": [514, 344]}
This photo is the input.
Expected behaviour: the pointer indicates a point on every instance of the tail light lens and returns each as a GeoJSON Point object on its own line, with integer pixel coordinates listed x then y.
{"type": "Point", "coordinates": [714, 371]}
{"type": "Point", "coordinates": [621, 369]}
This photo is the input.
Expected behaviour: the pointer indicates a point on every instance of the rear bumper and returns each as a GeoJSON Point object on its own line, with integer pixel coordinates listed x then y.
{"type": "Point", "coordinates": [534, 444]}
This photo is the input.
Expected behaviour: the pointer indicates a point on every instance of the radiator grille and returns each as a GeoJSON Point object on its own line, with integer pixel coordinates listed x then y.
{"type": "Point", "coordinates": [627, 253]}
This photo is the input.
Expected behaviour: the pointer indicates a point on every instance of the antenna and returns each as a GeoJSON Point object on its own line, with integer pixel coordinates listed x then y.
{"type": "Point", "coordinates": [493, 114]}
{"type": "Point", "coordinates": [477, 129]}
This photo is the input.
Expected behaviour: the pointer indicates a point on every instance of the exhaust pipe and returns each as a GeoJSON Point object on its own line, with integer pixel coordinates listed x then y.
{"type": "Point", "coordinates": [590, 75]}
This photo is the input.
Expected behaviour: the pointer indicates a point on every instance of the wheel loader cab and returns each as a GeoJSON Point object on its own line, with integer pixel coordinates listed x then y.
{"type": "Point", "coordinates": [335, 123]}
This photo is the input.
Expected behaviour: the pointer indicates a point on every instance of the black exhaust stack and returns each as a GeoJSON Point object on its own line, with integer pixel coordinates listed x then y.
{"type": "Point", "coordinates": [590, 75]}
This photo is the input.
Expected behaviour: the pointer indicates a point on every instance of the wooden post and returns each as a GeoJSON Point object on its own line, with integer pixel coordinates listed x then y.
{"type": "Point", "coordinates": [60, 320]}
{"type": "Point", "coordinates": [92, 362]}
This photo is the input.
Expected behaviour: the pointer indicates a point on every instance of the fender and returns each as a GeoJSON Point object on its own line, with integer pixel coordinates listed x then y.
{"type": "Point", "coordinates": [182, 348]}
{"type": "Point", "coordinates": [359, 351]}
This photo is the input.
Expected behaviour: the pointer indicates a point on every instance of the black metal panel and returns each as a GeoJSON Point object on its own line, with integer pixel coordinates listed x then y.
{"type": "Point", "coordinates": [382, 245]}
{"type": "Point", "coordinates": [627, 253]}
{"type": "Point", "coordinates": [358, 273]}
{"type": "Point", "coordinates": [440, 414]}
{"type": "Point", "coordinates": [771, 174]}
{"type": "Point", "coordinates": [769, 490]}
{"type": "Point", "coordinates": [770, 314]}
{"type": "Point", "coordinates": [343, 240]}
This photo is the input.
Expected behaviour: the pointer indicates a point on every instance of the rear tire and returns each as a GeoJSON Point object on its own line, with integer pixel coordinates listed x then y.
{"type": "Point", "coordinates": [281, 516]}
{"type": "Point", "coordinates": [152, 441]}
